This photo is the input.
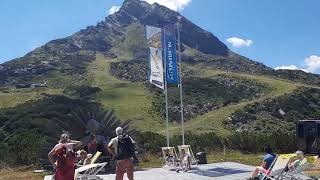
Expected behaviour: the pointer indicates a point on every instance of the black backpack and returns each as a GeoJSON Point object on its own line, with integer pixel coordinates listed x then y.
{"type": "Point", "coordinates": [126, 148]}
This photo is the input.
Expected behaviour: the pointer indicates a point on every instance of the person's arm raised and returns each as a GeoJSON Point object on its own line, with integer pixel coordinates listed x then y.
{"type": "Point", "coordinates": [76, 144]}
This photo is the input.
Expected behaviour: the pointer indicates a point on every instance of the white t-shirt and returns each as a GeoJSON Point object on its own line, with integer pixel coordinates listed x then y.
{"type": "Point", "coordinates": [114, 143]}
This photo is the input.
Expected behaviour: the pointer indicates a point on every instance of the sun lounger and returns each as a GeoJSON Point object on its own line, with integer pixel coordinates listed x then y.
{"type": "Point", "coordinates": [297, 173]}
{"type": "Point", "coordinates": [170, 157]}
{"type": "Point", "coordinates": [87, 171]}
{"type": "Point", "coordinates": [277, 167]}
{"type": "Point", "coordinates": [187, 149]}
{"type": "Point", "coordinates": [90, 169]}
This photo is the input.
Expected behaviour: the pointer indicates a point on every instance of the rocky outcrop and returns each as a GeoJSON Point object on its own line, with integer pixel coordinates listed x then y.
{"type": "Point", "coordinates": [155, 14]}
{"type": "Point", "coordinates": [130, 70]}
{"type": "Point", "coordinates": [137, 70]}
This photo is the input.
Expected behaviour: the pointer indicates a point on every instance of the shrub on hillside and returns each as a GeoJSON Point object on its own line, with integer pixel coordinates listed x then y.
{"type": "Point", "coordinates": [248, 142]}
{"type": "Point", "coordinates": [255, 142]}
{"type": "Point", "coordinates": [202, 95]}
{"type": "Point", "coordinates": [81, 92]}
{"type": "Point", "coordinates": [277, 114]}
{"type": "Point", "coordinates": [22, 148]}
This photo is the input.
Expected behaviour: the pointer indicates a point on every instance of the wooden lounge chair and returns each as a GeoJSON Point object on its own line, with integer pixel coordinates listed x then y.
{"type": "Point", "coordinates": [187, 149]}
{"type": "Point", "coordinates": [170, 158]}
{"type": "Point", "coordinates": [277, 168]}
{"type": "Point", "coordinates": [297, 172]}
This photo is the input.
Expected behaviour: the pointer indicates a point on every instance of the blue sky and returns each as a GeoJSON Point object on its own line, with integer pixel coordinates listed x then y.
{"type": "Point", "coordinates": [277, 33]}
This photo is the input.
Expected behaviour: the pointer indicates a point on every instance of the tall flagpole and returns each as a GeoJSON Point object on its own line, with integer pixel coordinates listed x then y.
{"type": "Point", "coordinates": [166, 91]}
{"type": "Point", "coordinates": [180, 85]}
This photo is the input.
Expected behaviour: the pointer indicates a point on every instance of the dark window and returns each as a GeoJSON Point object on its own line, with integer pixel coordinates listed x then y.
{"type": "Point", "coordinates": [300, 131]}
{"type": "Point", "coordinates": [318, 129]}
{"type": "Point", "coordinates": [310, 128]}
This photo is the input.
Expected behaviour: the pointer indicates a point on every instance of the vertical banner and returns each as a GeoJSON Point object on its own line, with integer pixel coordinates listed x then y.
{"type": "Point", "coordinates": [170, 53]}
{"type": "Point", "coordinates": [153, 35]}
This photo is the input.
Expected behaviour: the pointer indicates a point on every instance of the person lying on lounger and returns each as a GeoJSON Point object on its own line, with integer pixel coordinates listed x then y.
{"type": "Point", "coordinates": [185, 160]}
{"type": "Point", "coordinates": [268, 158]}
{"type": "Point", "coordinates": [170, 158]}
{"type": "Point", "coordinates": [296, 163]}
{"type": "Point", "coordinates": [84, 158]}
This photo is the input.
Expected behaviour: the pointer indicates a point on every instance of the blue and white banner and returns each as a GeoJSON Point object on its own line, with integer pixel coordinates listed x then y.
{"type": "Point", "coordinates": [170, 53]}
{"type": "Point", "coordinates": [156, 73]}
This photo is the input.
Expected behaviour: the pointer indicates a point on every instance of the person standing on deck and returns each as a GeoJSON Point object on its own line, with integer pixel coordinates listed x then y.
{"type": "Point", "coordinates": [62, 157]}
{"type": "Point", "coordinates": [122, 149]}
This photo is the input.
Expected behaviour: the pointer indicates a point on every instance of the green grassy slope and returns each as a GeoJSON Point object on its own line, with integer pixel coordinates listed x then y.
{"type": "Point", "coordinates": [214, 121]}
{"type": "Point", "coordinates": [16, 97]}
{"type": "Point", "coordinates": [129, 100]}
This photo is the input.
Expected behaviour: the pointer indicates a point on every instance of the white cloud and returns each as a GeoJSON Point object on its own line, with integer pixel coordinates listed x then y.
{"type": "Point", "coordinates": [311, 64]}
{"type": "Point", "coordinates": [238, 42]}
{"type": "Point", "coordinates": [114, 9]}
{"type": "Point", "coordinates": [177, 5]}
{"type": "Point", "coordinates": [290, 67]}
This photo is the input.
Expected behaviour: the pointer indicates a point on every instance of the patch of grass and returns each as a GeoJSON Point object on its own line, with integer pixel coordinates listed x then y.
{"type": "Point", "coordinates": [124, 97]}
{"type": "Point", "coordinates": [16, 97]}
{"type": "Point", "coordinates": [21, 173]}
{"type": "Point", "coordinates": [128, 99]}
{"type": "Point", "coordinates": [235, 156]}
{"type": "Point", "coordinates": [279, 86]}
{"type": "Point", "coordinates": [150, 161]}
{"type": "Point", "coordinates": [214, 120]}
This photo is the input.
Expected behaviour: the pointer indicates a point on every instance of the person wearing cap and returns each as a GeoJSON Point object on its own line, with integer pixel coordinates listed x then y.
{"type": "Point", "coordinates": [123, 165]}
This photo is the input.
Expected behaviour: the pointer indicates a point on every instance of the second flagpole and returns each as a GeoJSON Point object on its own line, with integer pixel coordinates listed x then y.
{"type": "Point", "coordinates": [180, 82]}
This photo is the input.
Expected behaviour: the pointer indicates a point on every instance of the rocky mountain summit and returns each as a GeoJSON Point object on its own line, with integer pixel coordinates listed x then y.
{"type": "Point", "coordinates": [71, 55]}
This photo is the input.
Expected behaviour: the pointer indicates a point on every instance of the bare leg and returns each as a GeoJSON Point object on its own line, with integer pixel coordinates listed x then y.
{"type": "Point", "coordinates": [256, 172]}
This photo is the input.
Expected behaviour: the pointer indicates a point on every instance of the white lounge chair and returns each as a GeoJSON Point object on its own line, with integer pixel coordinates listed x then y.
{"type": "Point", "coordinates": [87, 171]}
{"type": "Point", "coordinates": [297, 173]}
{"type": "Point", "coordinates": [277, 167]}
{"type": "Point", "coordinates": [90, 169]}
{"type": "Point", "coordinates": [170, 158]}
{"type": "Point", "coordinates": [187, 149]}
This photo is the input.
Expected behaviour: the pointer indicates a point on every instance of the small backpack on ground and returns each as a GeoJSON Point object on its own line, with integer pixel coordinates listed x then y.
{"type": "Point", "coordinates": [126, 148]}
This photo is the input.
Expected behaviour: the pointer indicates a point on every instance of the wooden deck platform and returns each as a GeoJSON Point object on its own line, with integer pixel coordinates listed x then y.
{"type": "Point", "coordinates": [218, 171]}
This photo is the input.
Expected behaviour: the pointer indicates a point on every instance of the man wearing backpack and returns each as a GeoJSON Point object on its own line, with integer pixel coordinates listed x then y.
{"type": "Point", "coordinates": [122, 149]}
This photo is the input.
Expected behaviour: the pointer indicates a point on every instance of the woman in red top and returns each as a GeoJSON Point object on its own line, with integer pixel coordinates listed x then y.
{"type": "Point", "coordinates": [62, 157]}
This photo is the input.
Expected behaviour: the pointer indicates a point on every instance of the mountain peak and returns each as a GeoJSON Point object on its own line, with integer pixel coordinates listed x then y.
{"type": "Point", "coordinates": [147, 14]}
